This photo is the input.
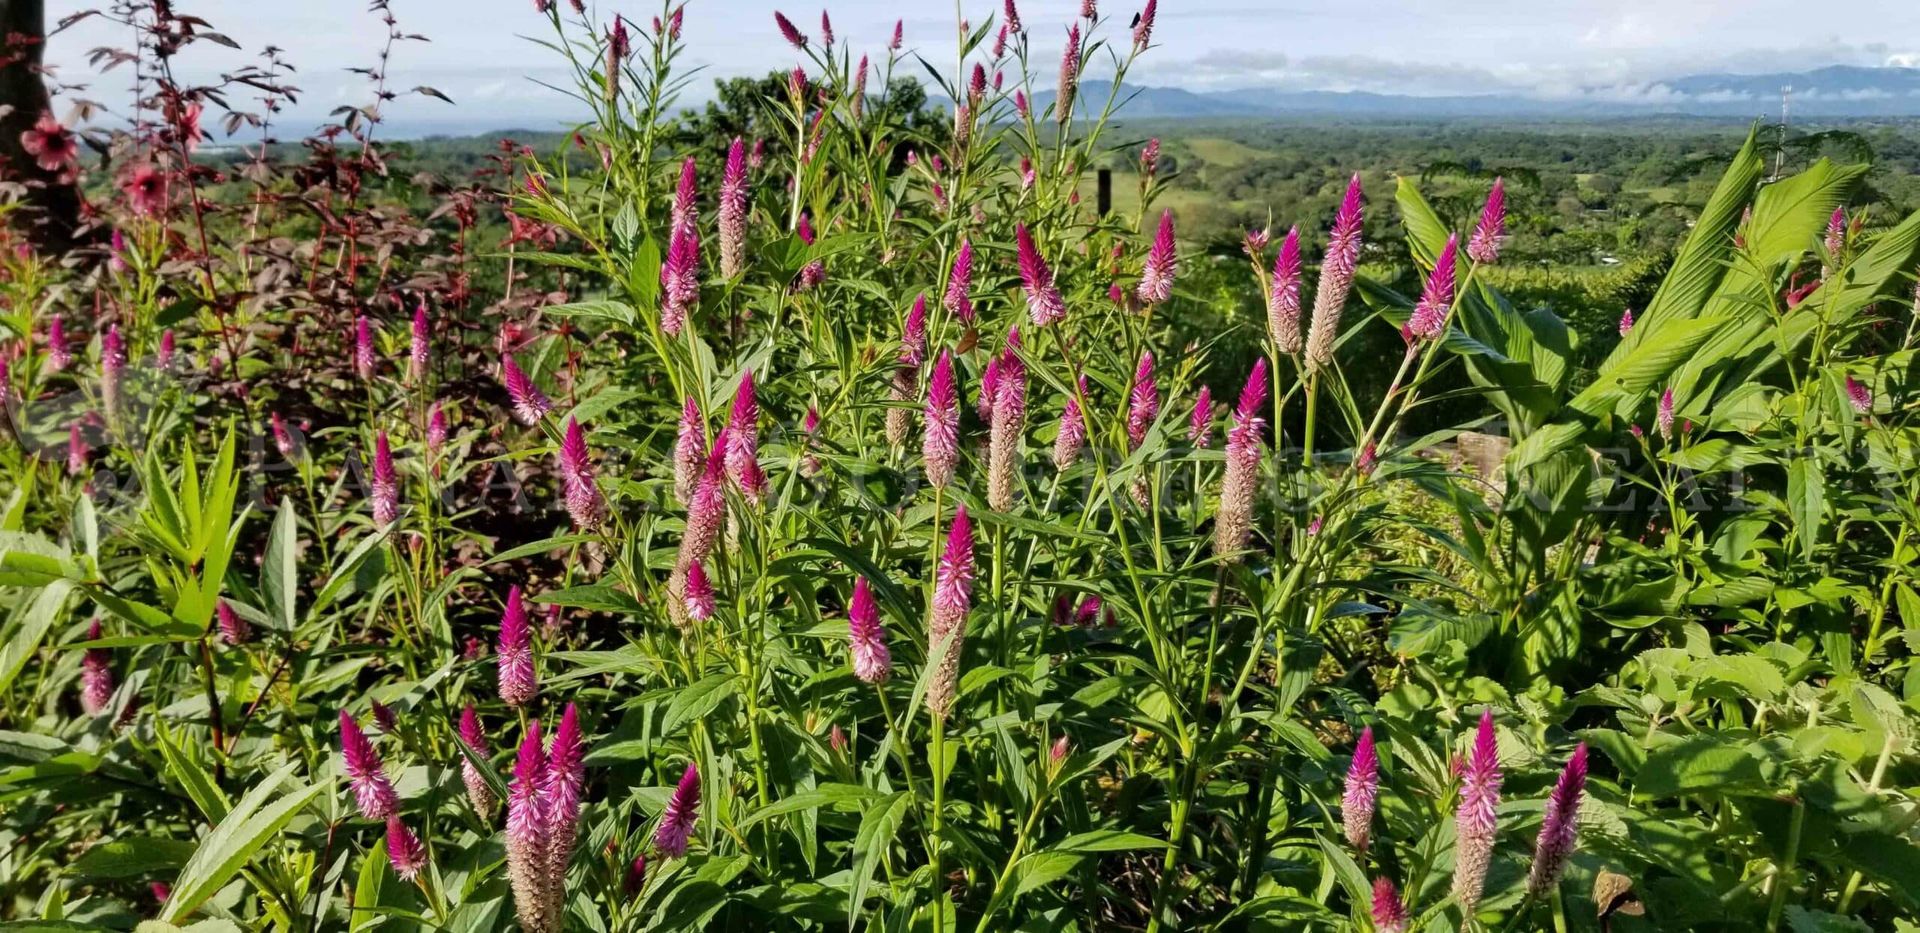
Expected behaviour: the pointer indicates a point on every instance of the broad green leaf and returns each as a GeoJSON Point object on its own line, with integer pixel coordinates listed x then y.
{"type": "Point", "coordinates": [29, 626]}
{"type": "Point", "coordinates": [223, 852]}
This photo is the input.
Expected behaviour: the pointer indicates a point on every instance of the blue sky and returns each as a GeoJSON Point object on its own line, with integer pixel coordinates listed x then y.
{"type": "Point", "coordinates": [481, 54]}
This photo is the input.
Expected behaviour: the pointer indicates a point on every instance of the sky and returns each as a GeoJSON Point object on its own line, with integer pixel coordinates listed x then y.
{"type": "Point", "coordinates": [483, 53]}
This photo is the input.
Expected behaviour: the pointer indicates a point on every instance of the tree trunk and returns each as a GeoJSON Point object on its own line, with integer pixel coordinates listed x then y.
{"type": "Point", "coordinates": [51, 212]}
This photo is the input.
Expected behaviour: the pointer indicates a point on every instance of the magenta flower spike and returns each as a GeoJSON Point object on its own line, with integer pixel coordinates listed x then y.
{"type": "Point", "coordinates": [1362, 792]}
{"type": "Point", "coordinates": [1559, 826]}
{"type": "Point", "coordinates": [976, 86]}
{"type": "Point", "coordinates": [689, 451]}
{"type": "Point", "coordinates": [386, 483]}
{"type": "Point", "coordinates": [566, 778]}
{"type": "Point", "coordinates": [1476, 822]}
{"type": "Point", "coordinates": [96, 675]}
{"type": "Point", "coordinates": [707, 509]}
{"type": "Point", "coordinates": [163, 358]}
{"type": "Point", "coordinates": [233, 629]}
{"type": "Point", "coordinates": [1143, 400]}
{"type": "Point", "coordinates": [989, 387]}
{"type": "Point", "coordinates": [282, 436]}
{"type": "Point", "coordinates": [1484, 246]}
{"type": "Point", "coordinates": [1156, 277]}
{"type": "Point", "coordinates": [1150, 158]}
{"type": "Point", "coordinates": [1069, 76]}
{"type": "Point", "coordinates": [679, 277]}
{"type": "Point", "coordinates": [1389, 914]}
{"type": "Point", "coordinates": [529, 403]}
{"type": "Point", "coordinates": [404, 851]}
{"type": "Point", "coordinates": [517, 680]}
{"type": "Point", "coordinates": [584, 502]}
{"type": "Point", "coordinates": [528, 834]}
{"type": "Point", "coordinates": [1143, 30]}
{"type": "Point", "coordinates": [1044, 304]}
{"type": "Point", "coordinates": [1200, 423]}
{"type": "Point", "coordinates": [1072, 436]}
{"type": "Point", "coordinates": [872, 662]}
{"type": "Point", "coordinates": [1000, 43]}
{"type": "Point", "coordinates": [479, 793]}
{"type": "Point", "coordinates": [1283, 295]}
{"type": "Point", "coordinates": [960, 282]}
{"type": "Point", "coordinates": [372, 792]}
{"type": "Point", "coordinates": [1233, 523]}
{"type": "Point", "coordinates": [1859, 396]}
{"type": "Point", "coordinates": [857, 98]}
{"type": "Point", "coordinates": [913, 337]}
{"type": "Point", "coordinates": [682, 813]}
{"type": "Point", "coordinates": [1429, 319]}
{"type": "Point", "coordinates": [363, 359]}
{"type": "Point", "coordinates": [636, 876]}
{"type": "Point", "coordinates": [385, 718]}
{"type": "Point", "coordinates": [59, 355]}
{"type": "Point", "coordinates": [789, 31]}
{"type": "Point", "coordinates": [1626, 321]}
{"type": "Point", "coordinates": [952, 599]}
{"type": "Point", "coordinates": [899, 35]}
{"type": "Point", "coordinates": [733, 210]}
{"type": "Point", "coordinates": [1006, 425]}
{"type": "Point", "coordinates": [826, 29]}
{"type": "Point", "coordinates": [1663, 416]}
{"type": "Point", "coordinates": [1336, 278]}
{"type": "Point", "coordinates": [685, 217]}
{"type": "Point", "coordinates": [76, 450]}
{"type": "Point", "coordinates": [113, 363]}
{"type": "Point", "coordinates": [1089, 9]}
{"type": "Point", "coordinates": [1012, 19]}
{"type": "Point", "coordinates": [743, 441]}
{"type": "Point", "coordinates": [437, 428]}
{"type": "Point", "coordinates": [699, 599]}
{"type": "Point", "coordinates": [941, 443]}
{"type": "Point", "coordinates": [421, 349]}
{"type": "Point", "coordinates": [1836, 238]}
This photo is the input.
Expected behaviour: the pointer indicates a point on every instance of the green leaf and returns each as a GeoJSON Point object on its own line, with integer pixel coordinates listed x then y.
{"type": "Point", "coordinates": [30, 626]}
{"type": "Point", "coordinates": [139, 857]}
{"type": "Point", "coordinates": [596, 596]}
{"type": "Point", "coordinates": [279, 576]}
{"type": "Point", "coordinates": [1698, 764]}
{"type": "Point", "coordinates": [232, 844]}
{"type": "Point", "coordinates": [1106, 840]}
{"type": "Point", "coordinates": [1806, 501]}
{"type": "Point", "coordinates": [837, 796]}
{"type": "Point", "coordinates": [878, 825]}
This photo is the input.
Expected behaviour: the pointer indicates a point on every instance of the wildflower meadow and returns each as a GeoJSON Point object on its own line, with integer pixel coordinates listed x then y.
{"type": "Point", "coordinates": [828, 518]}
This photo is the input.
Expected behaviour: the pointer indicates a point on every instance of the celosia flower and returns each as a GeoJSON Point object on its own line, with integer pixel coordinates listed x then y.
{"type": "Point", "coordinates": [1476, 823]}
{"type": "Point", "coordinates": [1150, 159]}
{"type": "Point", "coordinates": [960, 282]}
{"type": "Point", "coordinates": [826, 29]}
{"type": "Point", "coordinates": [1013, 17]}
{"type": "Point", "coordinates": [733, 210]}
{"type": "Point", "coordinates": [404, 851]}
{"type": "Point", "coordinates": [1836, 238]}
{"type": "Point", "coordinates": [1484, 246]}
{"type": "Point", "coordinates": [636, 876]}
{"type": "Point", "coordinates": [436, 428]}
{"type": "Point", "coordinates": [941, 443]}
{"type": "Point", "coordinates": [707, 508]}
{"type": "Point", "coordinates": [233, 629]}
{"type": "Point", "coordinates": [857, 98]}
{"type": "Point", "coordinates": [1023, 108]}
{"type": "Point", "coordinates": [385, 488]}
{"type": "Point", "coordinates": [899, 34]}
{"type": "Point", "coordinates": [1200, 423]}
{"type": "Point", "coordinates": [1143, 30]}
{"type": "Point", "coordinates": [566, 777]}
{"type": "Point", "coordinates": [59, 356]}
{"type": "Point", "coordinates": [1389, 914]}
{"type": "Point", "coordinates": [517, 680]}
{"type": "Point", "coordinates": [96, 675]}
{"type": "Point", "coordinates": [1859, 396]}
{"type": "Point", "coordinates": [743, 440]}
{"type": "Point", "coordinates": [1283, 295]}
{"type": "Point", "coordinates": [682, 812]}
{"type": "Point", "coordinates": [372, 792]}
{"type": "Point", "coordinates": [1559, 826]}
{"type": "Point", "coordinates": [1429, 318]}
{"type": "Point", "coordinates": [282, 436]}
{"type": "Point", "coordinates": [1089, 9]}
{"type": "Point", "coordinates": [1663, 416]}
{"type": "Point", "coordinates": [976, 86]}
{"type": "Point", "coordinates": [479, 793]}
{"type": "Point", "coordinates": [113, 363]}
{"type": "Point", "coordinates": [163, 359]}
{"type": "Point", "coordinates": [363, 360]}
{"type": "Point", "coordinates": [790, 31]}
{"type": "Point", "coordinates": [679, 281]}
{"type": "Point", "coordinates": [576, 478]}
{"type": "Point", "coordinates": [1143, 400]}
{"type": "Point", "coordinates": [1069, 76]}
{"type": "Point", "coordinates": [422, 337]}
{"type": "Point", "coordinates": [899, 415]}
{"type": "Point", "coordinates": [1626, 321]}
{"type": "Point", "coordinates": [1156, 276]}
{"type": "Point", "coordinates": [528, 833]}
{"type": "Point", "coordinates": [385, 718]}
{"type": "Point", "coordinates": [952, 598]}
{"type": "Point", "coordinates": [1044, 303]}
{"type": "Point", "coordinates": [76, 450]}
{"type": "Point", "coordinates": [1233, 523]}
{"type": "Point", "coordinates": [913, 337]}
{"type": "Point", "coordinates": [1006, 423]}
{"type": "Point", "coordinates": [689, 451]}
{"type": "Point", "coordinates": [1000, 43]}
{"type": "Point", "coordinates": [698, 598]}
{"type": "Point", "coordinates": [815, 272]}
{"type": "Point", "coordinates": [868, 638]}
{"type": "Point", "coordinates": [1362, 792]}
{"type": "Point", "coordinates": [1336, 278]}
{"type": "Point", "coordinates": [989, 385]}
{"type": "Point", "coordinates": [1072, 436]}
{"type": "Point", "coordinates": [529, 403]}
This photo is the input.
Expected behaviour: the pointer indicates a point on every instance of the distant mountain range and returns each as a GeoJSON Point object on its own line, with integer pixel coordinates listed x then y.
{"type": "Point", "coordinates": [1836, 91]}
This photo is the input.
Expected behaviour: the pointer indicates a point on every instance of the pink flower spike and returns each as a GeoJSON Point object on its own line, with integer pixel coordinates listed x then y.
{"type": "Point", "coordinates": [404, 851]}
{"type": "Point", "coordinates": [113, 363]}
{"type": "Point", "coordinates": [1389, 914]}
{"type": "Point", "coordinates": [517, 679]}
{"type": "Point", "coordinates": [584, 502]}
{"type": "Point", "coordinates": [1336, 278]}
{"type": "Point", "coordinates": [1044, 304]}
{"type": "Point", "coordinates": [1156, 277]}
{"type": "Point", "coordinates": [1663, 416]}
{"type": "Point", "coordinates": [960, 282]}
{"type": "Point", "coordinates": [1362, 792]}
{"type": "Point", "coordinates": [233, 629]}
{"type": "Point", "coordinates": [952, 599]}
{"type": "Point", "coordinates": [1233, 523]}
{"type": "Point", "coordinates": [479, 792]}
{"type": "Point", "coordinates": [1069, 76]}
{"type": "Point", "coordinates": [96, 675]}
{"type": "Point", "coordinates": [529, 833]}
{"type": "Point", "coordinates": [1559, 827]}
{"type": "Point", "coordinates": [437, 428]}
{"type": "Point", "coordinates": [422, 342]}
{"type": "Point", "coordinates": [1859, 396]}
{"type": "Point", "coordinates": [872, 662]}
{"type": "Point", "coordinates": [1200, 423]}
{"type": "Point", "coordinates": [566, 777]}
{"type": "Point", "coordinates": [1013, 17]}
{"type": "Point", "coordinates": [1072, 436]}
{"type": "Point", "coordinates": [826, 29]}
{"type": "Point", "coordinates": [77, 452]}
{"type": "Point", "coordinates": [689, 450]}
{"type": "Point", "coordinates": [1143, 30]}
{"type": "Point", "coordinates": [1484, 246]}
{"type": "Point", "coordinates": [899, 34]}
{"type": "Point", "coordinates": [1429, 319]}
{"type": "Point", "coordinates": [529, 404]}
{"type": "Point", "coordinates": [941, 443]}
{"type": "Point", "coordinates": [282, 436]}
{"type": "Point", "coordinates": [1143, 401]}
{"type": "Point", "coordinates": [386, 483]}
{"type": "Point", "coordinates": [1476, 823]}
{"type": "Point", "coordinates": [1626, 321]}
{"type": "Point", "coordinates": [372, 792]}
{"type": "Point", "coordinates": [363, 360]}
{"type": "Point", "coordinates": [699, 596]}
{"type": "Point", "coordinates": [163, 358]}
{"type": "Point", "coordinates": [733, 210]}
{"type": "Point", "coordinates": [913, 338]}
{"type": "Point", "coordinates": [743, 440]}
{"type": "Point", "coordinates": [789, 31]}
{"type": "Point", "coordinates": [682, 812]}
{"type": "Point", "coordinates": [1283, 295]}
{"type": "Point", "coordinates": [708, 507]}
{"type": "Point", "coordinates": [59, 355]}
